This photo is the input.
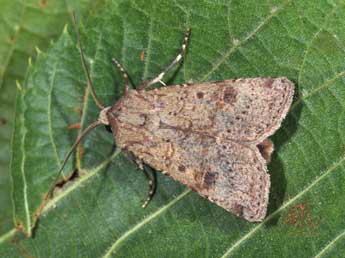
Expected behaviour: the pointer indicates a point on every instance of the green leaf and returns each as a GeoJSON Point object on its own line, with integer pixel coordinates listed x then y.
{"type": "Point", "coordinates": [24, 26]}
{"type": "Point", "coordinates": [98, 214]}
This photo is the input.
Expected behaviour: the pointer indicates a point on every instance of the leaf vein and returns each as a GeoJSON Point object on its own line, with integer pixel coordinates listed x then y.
{"type": "Point", "coordinates": [138, 226]}
{"type": "Point", "coordinates": [148, 51]}
{"type": "Point", "coordinates": [249, 36]}
{"type": "Point", "coordinates": [22, 168]}
{"type": "Point", "coordinates": [7, 235]}
{"type": "Point", "coordinates": [325, 85]}
{"type": "Point", "coordinates": [330, 244]}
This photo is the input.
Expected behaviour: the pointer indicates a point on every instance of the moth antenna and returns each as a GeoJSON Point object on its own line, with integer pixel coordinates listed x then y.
{"type": "Point", "coordinates": [69, 153]}
{"type": "Point", "coordinates": [124, 74]}
{"type": "Point", "coordinates": [86, 70]}
{"type": "Point", "coordinates": [177, 60]}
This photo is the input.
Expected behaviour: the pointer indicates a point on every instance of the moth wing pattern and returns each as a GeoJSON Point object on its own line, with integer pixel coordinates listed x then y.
{"type": "Point", "coordinates": [240, 110]}
{"type": "Point", "coordinates": [207, 136]}
{"type": "Point", "coordinates": [230, 174]}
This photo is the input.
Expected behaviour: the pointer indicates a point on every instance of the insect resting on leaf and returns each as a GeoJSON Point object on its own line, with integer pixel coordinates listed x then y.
{"type": "Point", "coordinates": [210, 136]}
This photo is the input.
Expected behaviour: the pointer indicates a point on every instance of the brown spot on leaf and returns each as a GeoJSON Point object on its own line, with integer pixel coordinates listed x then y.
{"type": "Point", "coordinates": [20, 225]}
{"type": "Point", "coordinates": [43, 3]}
{"type": "Point", "coordinates": [142, 55]}
{"type": "Point", "coordinates": [229, 95]}
{"type": "Point", "coordinates": [12, 39]}
{"type": "Point", "coordinates": [74, 126]}
{"type": "Point", "coordinates": [301, 218]}
{"type": "Point", "coordinates": [3, 121]}
{"type": "Point", "coordinates": [78, 110]}
{"type": "Point", "coordinates": [300, 206]}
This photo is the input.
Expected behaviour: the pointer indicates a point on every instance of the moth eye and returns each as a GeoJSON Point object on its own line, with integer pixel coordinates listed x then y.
{"type": "Point", "coordinates": [108, 128]}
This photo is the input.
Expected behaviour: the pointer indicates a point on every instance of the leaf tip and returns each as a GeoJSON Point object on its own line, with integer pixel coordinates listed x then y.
{"type": "Point", "coordinates": [30, 61]}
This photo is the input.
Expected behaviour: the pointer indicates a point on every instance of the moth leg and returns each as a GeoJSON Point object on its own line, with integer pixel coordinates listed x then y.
{"type": "Point", "coordinates": [151, 177]}
{"type": "Point", "coordinates": [171, 65]}
{"type": "Point", "coordinates": [152, 186]}
{"type": "Point", "coordinates": [124, 74]}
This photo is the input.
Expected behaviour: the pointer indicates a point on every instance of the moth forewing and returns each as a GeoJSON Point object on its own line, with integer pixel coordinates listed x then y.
{"type": "Point", "coordinates": [209, 136]}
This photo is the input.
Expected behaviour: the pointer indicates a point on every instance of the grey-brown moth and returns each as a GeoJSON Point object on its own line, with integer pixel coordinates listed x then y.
{"type": "Point", "coordinates": [211, 137]}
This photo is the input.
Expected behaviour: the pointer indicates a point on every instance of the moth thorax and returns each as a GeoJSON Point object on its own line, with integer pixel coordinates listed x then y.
{"type": "Point", "coordinates": [103, 118]}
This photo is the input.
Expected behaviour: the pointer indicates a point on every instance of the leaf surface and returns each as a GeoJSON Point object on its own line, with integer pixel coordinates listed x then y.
{"type": "Point", "coordinates": [24, 26]}
{"type": "Point", "coordinates": [98, 214]}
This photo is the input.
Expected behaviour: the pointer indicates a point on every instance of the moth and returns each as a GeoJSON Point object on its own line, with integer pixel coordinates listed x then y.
{"type": "Point", "coordinates": [211, 137]}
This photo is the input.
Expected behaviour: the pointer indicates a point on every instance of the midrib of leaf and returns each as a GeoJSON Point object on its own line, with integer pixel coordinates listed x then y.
{"type": "Point", "coordinates": [22, 167]}
{"type": "Point", "coordinates": [241, 42]}
{"type": "Point", "coordinates": [330, 244]}
{"type": "Point", "coordinates": [281, 208]}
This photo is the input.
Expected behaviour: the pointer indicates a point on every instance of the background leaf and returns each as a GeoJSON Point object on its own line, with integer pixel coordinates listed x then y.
{"type": "Point", "coordinates": [98, 214]}
{"type": "Point", "coordinates": [24, 26]}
